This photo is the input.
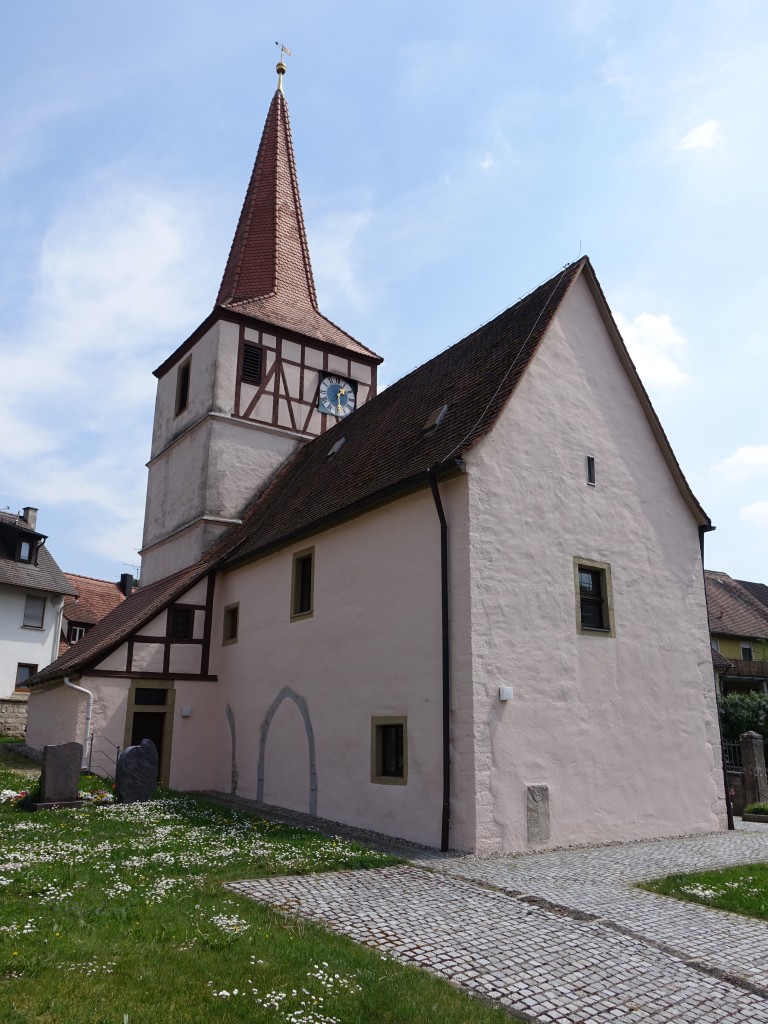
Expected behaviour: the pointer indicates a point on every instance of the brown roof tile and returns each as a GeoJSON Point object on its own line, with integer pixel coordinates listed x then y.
{"type": "Point", "coordinates": [758, 590]}
{"type": "Point", "coordinates": [110, 632]}
{"type": "Point", "coordinates": [733, 611]}
{"type": "Point", "coordinates": [95, 599]}
{"type": "Point", "coordinates": [268, 274]}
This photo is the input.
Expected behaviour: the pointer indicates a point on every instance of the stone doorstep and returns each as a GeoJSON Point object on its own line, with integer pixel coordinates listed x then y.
{"type": "Point", "coordinates": [755, 817]}
{"type": "Point", "coordinates": [56, 805]}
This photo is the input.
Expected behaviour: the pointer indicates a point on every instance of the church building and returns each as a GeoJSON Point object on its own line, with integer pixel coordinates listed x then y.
{"type": "Point", "coordinates": [467, 611]}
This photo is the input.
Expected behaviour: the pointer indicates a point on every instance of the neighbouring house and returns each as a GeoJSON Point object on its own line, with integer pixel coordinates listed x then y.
{"type": "Point", "coordinates": [32, 591]}
{"type": "Point", "coordinates": [738, 626]}
{"type": "Point", "coordinates": [94, 599]}
{"type": "Point", "coordinates": [467, 611]}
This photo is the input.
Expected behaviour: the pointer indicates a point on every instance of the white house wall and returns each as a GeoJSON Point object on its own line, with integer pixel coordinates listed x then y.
{"type": "Point", "coordinates": [57, 715]}
{"type": "Point", "coordinates": [622, 730]}
{"type": "Point", "coordinates": [21, 644]}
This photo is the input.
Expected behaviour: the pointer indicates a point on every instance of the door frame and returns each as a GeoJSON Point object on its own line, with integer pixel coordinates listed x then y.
{"type": "Point", "coordinates": [160, 709]}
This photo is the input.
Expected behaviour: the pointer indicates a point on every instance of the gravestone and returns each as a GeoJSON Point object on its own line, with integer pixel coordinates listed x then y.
{"type": "Point", "coordinates": [538, 814]}
{"type": "Point", "coordinates": [136, 774]}
{"type": "Point", "coordinates": [753, 761]}
{"type": "Point", "coordinates": [61, 773]}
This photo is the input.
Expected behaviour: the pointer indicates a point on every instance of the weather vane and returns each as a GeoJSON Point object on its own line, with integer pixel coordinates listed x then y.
{"type": "Point", "coordinates": [284, 52]}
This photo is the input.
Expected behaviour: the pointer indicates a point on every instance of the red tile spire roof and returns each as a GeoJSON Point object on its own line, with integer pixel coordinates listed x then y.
{"type": "Point", "coordinates": [268, 274]}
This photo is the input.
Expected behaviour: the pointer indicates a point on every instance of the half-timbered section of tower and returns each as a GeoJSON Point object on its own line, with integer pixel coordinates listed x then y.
{"type": "Point", "coordinates": [262, 373]}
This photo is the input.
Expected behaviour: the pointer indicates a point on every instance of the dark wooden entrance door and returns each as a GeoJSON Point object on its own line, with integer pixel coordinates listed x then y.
{"type": "Point", "coordinates": [149, 725]}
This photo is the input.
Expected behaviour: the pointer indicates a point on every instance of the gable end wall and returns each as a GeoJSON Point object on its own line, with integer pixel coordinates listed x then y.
{"type": "Point", "coordinates": [621, 729]}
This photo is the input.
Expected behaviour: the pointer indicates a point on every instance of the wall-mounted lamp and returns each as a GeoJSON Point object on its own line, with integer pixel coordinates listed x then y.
{"type": "Point", "coordinates": [505, 693]}
{"type": "Point", "coordinates": [186, 712]}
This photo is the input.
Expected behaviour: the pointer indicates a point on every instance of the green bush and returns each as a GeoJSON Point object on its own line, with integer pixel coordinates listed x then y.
{"type": "Point", "coordinates": [744, 712]}
{"type": "Point", "coordinates": [756, 809]}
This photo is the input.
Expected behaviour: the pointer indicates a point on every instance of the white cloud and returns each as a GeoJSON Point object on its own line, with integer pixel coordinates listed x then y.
{"type": "Point", "coordinates": [656, 348]}
{"type": "Point", "coordinates": [747, 463]}
{"type": "Point", "coordinates": [335, 257]}
{"type": "Point", "coordinates": [756, 513]}
{"type": "Point", "coordinates": [120, 274]}
{"type": "Point", "coordinates": [703, 136]}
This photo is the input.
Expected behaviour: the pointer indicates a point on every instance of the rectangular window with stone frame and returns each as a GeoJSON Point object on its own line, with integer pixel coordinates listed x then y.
{"type": "Point", "coordinates": [594, 598]}
{"type": "Point", "coordinates": [389, 750]}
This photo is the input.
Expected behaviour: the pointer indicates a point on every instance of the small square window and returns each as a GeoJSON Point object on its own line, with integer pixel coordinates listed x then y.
{"type": "Point", "coordinates": [34, 612]}
{"type": "Point", "coordinates": [182, 623]}
{"type": "Point", "coordinates": [252, 361]}
{"type": "Point", "coordinates": [76, 633]}
{"type": "Point", "coordinates": [746, 652]}
{"type": "Point", "coordinates": [23, 673]}
{"type": "Point", "coordinates": [594, 605]}
{"type": "Point", "coordinates": [715, 644]}
{"type": "Point", "coordinates": [182, 387]}
{"type": "Point", "coordinates": [231, 623]}
{"type": "Point", "coordinates": [302, 584]}
{"type": "Point", "coordinates": [389, 751]}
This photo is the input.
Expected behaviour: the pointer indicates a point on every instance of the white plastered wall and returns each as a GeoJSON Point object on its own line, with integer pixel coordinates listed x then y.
{"type": "Point", "coordinates": [622, 730]}
{"type": "Point", "coordinates": [205, 465]}
{"type": "Point", "coordinates": [25, 645]}
{"type": "Point", "coordinates": [371, 648]}
{"type": "Point", "coordinates": [57, 715]}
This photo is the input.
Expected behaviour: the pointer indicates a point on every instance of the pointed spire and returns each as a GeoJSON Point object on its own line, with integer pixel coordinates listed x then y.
{"type": "Point", "coordinates": [269, 274]}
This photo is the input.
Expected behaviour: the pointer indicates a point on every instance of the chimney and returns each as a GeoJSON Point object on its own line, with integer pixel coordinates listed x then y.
{"type": "Point", "coordinates": [126, 583]}
{"type": "Point", "coordinates": [29, 515]}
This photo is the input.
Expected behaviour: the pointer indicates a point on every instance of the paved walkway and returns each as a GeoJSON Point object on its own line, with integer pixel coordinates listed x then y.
{"type": "Point", "coordinates": [559, 938]}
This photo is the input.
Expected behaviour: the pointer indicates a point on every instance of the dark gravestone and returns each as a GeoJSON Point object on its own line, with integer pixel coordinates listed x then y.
{"type": "Point", "coordinates": [61, 773]}
{"type": "Point", "coordinates": [136, 774]}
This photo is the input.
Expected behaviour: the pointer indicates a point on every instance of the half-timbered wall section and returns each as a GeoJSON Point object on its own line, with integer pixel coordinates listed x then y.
{"type": "Point", "coordinates": [290, 372]}
{"type": "Point", "coordinates": [175, 644]}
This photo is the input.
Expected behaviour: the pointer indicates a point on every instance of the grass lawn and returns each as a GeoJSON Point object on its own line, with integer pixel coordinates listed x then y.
{"type": "Point", "coordinates": [117, 913]}
{"type": "Point", "coordinates": [742, 889]}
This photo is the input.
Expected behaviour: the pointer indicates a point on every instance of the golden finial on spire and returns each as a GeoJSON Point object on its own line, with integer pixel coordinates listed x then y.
{"type": "Point", "coordinates": [280, 64]}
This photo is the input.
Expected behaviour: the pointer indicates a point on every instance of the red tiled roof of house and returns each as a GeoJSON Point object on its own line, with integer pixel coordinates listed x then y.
{"type": "Point", "coordinates": [758, 590]}
{"type": "Point", "coordinates": [268, 274]}
{"type": "Point", "coordinates": [733, 611]}
{"type": "Point", "coordinates": [95, 599]}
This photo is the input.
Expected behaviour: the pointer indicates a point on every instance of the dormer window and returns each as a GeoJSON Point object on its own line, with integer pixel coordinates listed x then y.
{"type": "Point", "coordinates": [25, 551]}
{"type": "Point", "coordinates": [435, 420]}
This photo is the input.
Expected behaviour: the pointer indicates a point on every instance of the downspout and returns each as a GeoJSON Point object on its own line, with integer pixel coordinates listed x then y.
{"type": "Point", "coordinates": [88, 714]}
{"type": "Point", "coordinates": [446, 650]}
{"type": "Point", "coordinates": [728, 805]}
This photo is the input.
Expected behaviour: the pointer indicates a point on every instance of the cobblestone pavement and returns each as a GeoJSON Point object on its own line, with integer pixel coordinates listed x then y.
{"type": "Point", "coordinates": [558, 937]}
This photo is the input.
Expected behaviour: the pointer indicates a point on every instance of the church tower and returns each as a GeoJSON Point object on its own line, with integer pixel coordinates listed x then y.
{"type": "Point", "coordinates": [263, 373]}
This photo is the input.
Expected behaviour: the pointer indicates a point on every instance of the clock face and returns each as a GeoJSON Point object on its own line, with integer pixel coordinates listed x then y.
{"type": "Point", "coordinates": [337, 396]}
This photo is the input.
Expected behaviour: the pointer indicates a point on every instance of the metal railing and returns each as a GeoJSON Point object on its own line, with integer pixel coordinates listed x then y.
{"type": "Point", "coordinates": [732, 751]}
{"type": "Point", "coordinates": [102, 762]}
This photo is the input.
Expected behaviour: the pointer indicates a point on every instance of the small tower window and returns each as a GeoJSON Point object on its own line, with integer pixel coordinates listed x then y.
{"type": "Point", "coordinates": [591, 471]}
{"type": "Point", "coordinates": [182, 387]}
{"type": "Point", "coordinates": [251, 373]}
{"type": "Point", "coordinates": [302, 584]}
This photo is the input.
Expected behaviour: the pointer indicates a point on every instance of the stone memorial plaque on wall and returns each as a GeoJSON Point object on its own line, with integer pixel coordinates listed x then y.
{"type": "Point", "coordinates": [538, 814]}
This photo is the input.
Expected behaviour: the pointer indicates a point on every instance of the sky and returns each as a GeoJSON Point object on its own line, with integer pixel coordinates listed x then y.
{"type": "Point", "coordinates": [450, 158]}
